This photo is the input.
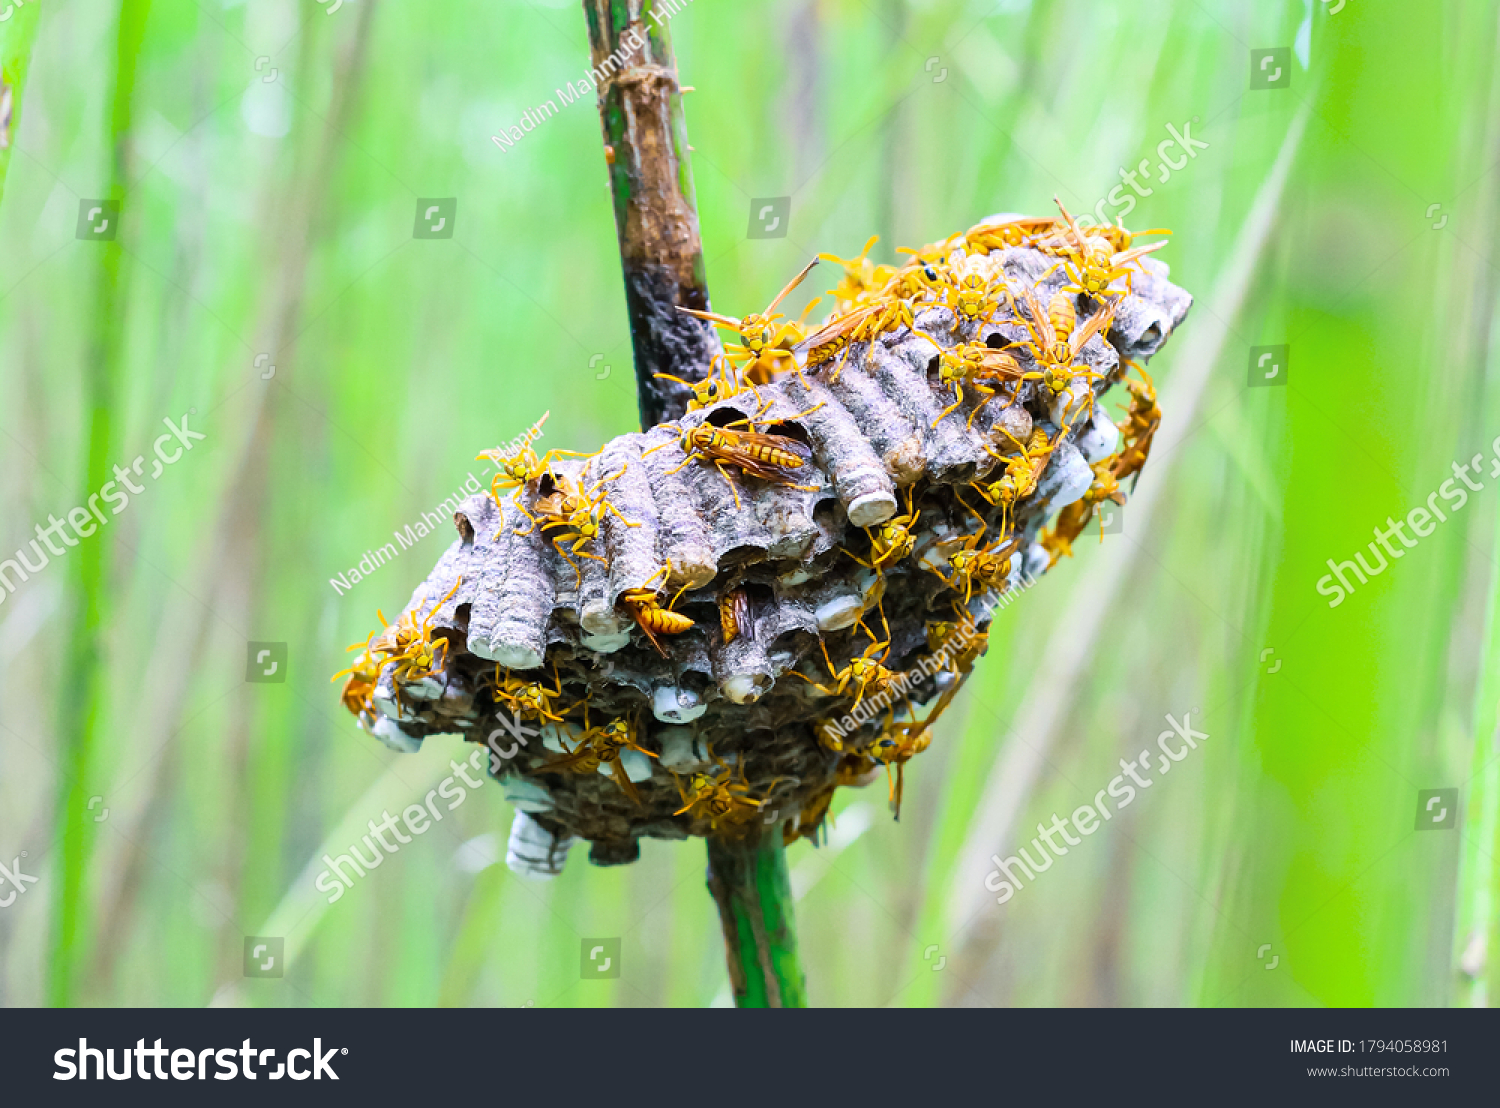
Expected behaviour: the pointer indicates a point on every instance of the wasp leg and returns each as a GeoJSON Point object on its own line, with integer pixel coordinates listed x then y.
{"type": "Point", "coordinates": [616, 513]}
{"type": "Point", "coordinates": [799, 415]}
{"type": "Point", "coordinates": [824, 689]}
{"type": "Point", "coordinates": [797, 369]}
{"type": "Point", "coordinates": [958, 392]}
{"type": "Point", "coordinates": [990, 394]}
{"type": "Point", "coordinates": [661, 445]}
{"type": "Point", "coordinates": [678, 594]}
{"type": "Point", "coordinates": [522, 509]}
{"type": "Point", "coordinates": [684, 464]}
{"type": "Point", "coordinates": [727, 480]}
{"type": "Point", "coordinates": [976, 515]}
{"type": "Point", "coordinates": [557, 545]}
{"type": "Point", "coordinates": [857, 558]}
{"type": "Point", "coordinates": [840, 367]}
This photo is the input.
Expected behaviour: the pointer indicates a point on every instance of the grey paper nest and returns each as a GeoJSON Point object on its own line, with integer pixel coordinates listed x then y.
{"type": "Point", "coordinates": [872, 442]}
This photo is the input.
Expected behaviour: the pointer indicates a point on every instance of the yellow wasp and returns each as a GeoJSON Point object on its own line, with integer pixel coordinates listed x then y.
{"type": "Point", "coordinates": [770, 457]}
{"type": "Point", "coordinates": [1075, 517]}
{"type": "Point", "coordinates": [970, 291]}
{"type": "Point", "coordinates": [893, 748]}
{"type": "Point", "coordinates": [900, 742]}
{"type": "Point", "coordinates": [408, 642]}
{"type": "Point", "coordinates": [959, 640]}
{"type": "Point", "coordinates": [864, 673]}
{"type": "Point", "coordinates": [1094, 264]}
{"type": "Point", "coordinates": [1021, 472]}
{"type": "Point", "coordinates": [974, 364]}
{"type": "Point", "coordinates": [734, 614]}
{"type": "Point", "coordinates": [834, 339]}
{"type": "Point", "coordinates": [762, 343]}
{"type": "Point", "coordinates": [518, 466]}
{"type": "Point", "coordinates": [573, 514]}
{"type": "Point", "coordinates": [722, 383]}
{"type": "Point", "coordinates": [602, 746]}
{"type": "Point", "coordinates": [364, 675]}
{"type": "Point", "coordinates": [530, 699]}
{"type": "Point", "coordinates": [986, 237]}
{"type": "Point", "coordinates": [1138, 427]}
{"type": "Point", "coordinates": [987, 566]}
{"type": "Point", "coordinates": [892, 540]}
{"type": "Point", "coordinates": [644, 605]}
{"type": "Point", "coordinates": [422, 654]}
{"type": "Point", "coordinates": [1056, 344]}
{"type": "Point", "coordinates": [719, 798]}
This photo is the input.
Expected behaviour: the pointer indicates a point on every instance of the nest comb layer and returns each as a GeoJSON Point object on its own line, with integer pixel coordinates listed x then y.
{"type": "Point", "coordinates": [517, 606]}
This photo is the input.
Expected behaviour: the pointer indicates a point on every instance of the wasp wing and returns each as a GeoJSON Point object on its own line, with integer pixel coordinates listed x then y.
{"type": "Point", "coordinates": [1120, 260]}
{"type": "Point", "coordinates": [834, 330]}
{"type": "Point", "coordinates": [1040, 323]}
{"type": "Point", "coordinates": [1099, 322]}
{"type": "Point", "coordinates": [769, 457]}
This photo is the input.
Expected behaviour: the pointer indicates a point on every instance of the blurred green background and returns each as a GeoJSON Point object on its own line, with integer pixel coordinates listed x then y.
{"type": "Point", "coordinates": [269, 159]}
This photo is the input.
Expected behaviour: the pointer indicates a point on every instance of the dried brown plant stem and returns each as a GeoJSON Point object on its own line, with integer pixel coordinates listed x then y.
{"type": "Point", "coordinates": [645, 137]}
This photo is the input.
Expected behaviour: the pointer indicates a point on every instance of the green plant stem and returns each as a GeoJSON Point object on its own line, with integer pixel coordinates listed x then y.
{"type": "Point", "coordinates": [640, 107]}
{"type": "Point", "coordinates": [83, 688]}
{"type": "Point", "coordinates": [656, 218]}
{"type": "Point", "coordinates": [16, 37]}
{"type": "Point", "coordinates": [749, 883]}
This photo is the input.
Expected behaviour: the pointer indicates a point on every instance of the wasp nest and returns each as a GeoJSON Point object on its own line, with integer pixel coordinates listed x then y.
{"type": "Point", "coordinates": [837, 542]}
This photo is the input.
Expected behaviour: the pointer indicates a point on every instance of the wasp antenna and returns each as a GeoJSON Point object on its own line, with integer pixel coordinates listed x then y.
{"type": "Point", "coordinates": [793, 283]}
{"type": "Point", "coordinates": [712, 317]}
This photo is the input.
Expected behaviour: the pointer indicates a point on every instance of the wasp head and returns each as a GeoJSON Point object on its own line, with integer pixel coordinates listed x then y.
{"type": "Point", "coordinates": [757, 332]}
{"type": "Point", "coordinates": [706, 392]}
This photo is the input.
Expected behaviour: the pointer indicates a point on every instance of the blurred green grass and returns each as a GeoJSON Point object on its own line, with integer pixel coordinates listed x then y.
{"type": "Point", "coordinates": [275, 217]}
